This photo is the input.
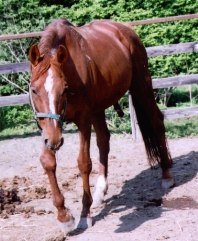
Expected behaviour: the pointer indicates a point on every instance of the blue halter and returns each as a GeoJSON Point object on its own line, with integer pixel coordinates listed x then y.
{"type": "Point", "coordinates": [49, 115]}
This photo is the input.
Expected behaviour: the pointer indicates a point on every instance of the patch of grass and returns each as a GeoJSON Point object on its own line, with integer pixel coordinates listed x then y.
{"type": "Point", "coordinates": [18, 131]}
{"type": "Point", "coordinates": [182, 127]}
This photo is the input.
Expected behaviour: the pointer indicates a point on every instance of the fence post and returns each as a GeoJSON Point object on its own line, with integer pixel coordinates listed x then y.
{"type": "Point", "coordinates": [136, 134]}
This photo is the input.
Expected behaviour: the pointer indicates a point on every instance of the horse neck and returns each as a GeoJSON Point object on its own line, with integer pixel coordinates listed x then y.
{"type": "Point", "coordinates": [77, 66]}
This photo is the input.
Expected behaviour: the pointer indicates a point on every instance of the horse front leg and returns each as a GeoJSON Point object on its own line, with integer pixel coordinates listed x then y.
{"type": "Point", "coordinates": [85, 167]}
{"type": "Point", "coordinates": [48, 161]}
{"type": "Point", "coordinates": [103, 137]}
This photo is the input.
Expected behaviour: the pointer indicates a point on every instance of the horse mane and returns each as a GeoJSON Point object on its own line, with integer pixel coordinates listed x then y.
{"type": "Point", "coordinates": [59, 32]}
{"type": "Point", "coordinates": [54, 35]}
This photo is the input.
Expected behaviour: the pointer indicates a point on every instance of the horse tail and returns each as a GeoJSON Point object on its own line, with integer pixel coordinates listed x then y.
{"type": "Point", "coordinates": [149, 117]}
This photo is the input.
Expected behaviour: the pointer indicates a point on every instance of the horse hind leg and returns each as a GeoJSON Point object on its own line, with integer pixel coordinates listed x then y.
{"type": "Point", "coordinates": [103, 137]}
{"type": "Point", "coordinates": [151, 124]}
{"type": "Point", "coordinates": [150, 119]}
{"type": "Point", "coordinates": [165, 158]}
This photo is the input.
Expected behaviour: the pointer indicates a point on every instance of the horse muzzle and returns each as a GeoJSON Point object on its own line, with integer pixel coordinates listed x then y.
{"type": "Point", "coordinates": [52, 145]}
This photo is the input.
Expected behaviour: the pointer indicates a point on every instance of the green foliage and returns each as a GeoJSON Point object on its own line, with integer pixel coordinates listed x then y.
{"type": "Point", "coordinates": [164, 66]}
{"type": "Point", "coordinates": [168, 33]}
{"type": "Point", "coordinates": [15, 116]}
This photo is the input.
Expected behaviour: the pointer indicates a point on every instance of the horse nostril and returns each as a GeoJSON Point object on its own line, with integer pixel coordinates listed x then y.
{"type": "Point", "coordinates": [46, 141]}
{"type": "Point", "coordinates": [48, 145]}
{"type": "Point", "coordinates": [51, 146]}
{"type": "Point", "coordinates": [61, 141]}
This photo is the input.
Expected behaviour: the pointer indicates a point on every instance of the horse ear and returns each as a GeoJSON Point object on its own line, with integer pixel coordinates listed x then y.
{"type": "Point", "coordinates": [62, 54]}
{"type": "Point", "coordinates": [34, 54]}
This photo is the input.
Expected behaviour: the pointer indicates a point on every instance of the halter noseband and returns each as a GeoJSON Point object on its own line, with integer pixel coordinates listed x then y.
{"type": "Point", "coordinates": [49, 115]}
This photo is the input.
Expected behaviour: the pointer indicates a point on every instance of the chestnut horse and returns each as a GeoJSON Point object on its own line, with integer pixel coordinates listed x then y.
{"type": "Point", "coordinates": [78, 72]}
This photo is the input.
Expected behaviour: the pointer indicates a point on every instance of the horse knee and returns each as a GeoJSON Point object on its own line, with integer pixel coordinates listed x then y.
{"type": "Point", "coordinates": [48, 160]}
{"type": "Point", "coordinates": [85, 167]}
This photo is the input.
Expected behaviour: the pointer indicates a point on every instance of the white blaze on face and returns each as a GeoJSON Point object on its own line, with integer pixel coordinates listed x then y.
{"type": "Point", "coordinates": [49, 84]}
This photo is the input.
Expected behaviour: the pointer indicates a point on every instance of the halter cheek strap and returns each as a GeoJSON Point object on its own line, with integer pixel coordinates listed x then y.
{"type": "Point", "coordinates": [49, 115]}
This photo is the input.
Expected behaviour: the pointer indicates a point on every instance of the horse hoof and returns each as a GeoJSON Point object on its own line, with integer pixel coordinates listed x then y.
{"type": "Point", "coordinates": [84, 223]}
{"type": "Point", "coordinates": [168, 183]}
{"type": "Point", "coordinates": [67, 227]}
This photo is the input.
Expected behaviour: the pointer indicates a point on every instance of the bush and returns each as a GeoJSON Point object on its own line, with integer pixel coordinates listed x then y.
{"type": "Point", "coordinates": [15, 116]}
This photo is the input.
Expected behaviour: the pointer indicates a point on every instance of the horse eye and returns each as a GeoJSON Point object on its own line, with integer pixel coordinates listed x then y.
{"type": "Point", "coordinates": [64, 91]}
{"type": "Point", "coordinates": [34, 90]}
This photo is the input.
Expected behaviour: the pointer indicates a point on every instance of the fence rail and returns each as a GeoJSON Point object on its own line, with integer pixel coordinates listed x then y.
{"type": "Point", "coordinates": [175, 81]}
{"type": "Point", "coordinates": [172, 49]}
{"type": "Point", "coordinates": [12, 68]}
{"type": "Point", "coordinates": [180, 112]}
{"type": "Point", "coordinates": [13, 100]}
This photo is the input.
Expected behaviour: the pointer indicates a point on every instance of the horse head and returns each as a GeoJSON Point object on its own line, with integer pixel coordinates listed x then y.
{"type": "Point", "coordinates": [48, 87]}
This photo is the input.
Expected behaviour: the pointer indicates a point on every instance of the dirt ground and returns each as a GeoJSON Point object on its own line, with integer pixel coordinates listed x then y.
{"type": "Point", "coordinates": [135, 207]}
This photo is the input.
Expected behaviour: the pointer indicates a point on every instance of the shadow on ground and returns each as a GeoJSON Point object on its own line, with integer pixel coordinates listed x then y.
{"type": "Point", "coordinates": [144, 196]}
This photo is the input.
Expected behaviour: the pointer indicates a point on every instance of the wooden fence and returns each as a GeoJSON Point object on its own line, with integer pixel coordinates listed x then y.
{"type": "Point", "coordinates": [151, 51]}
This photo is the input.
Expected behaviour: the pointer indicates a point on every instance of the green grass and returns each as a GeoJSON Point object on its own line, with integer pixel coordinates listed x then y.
{"type": "Point", "coordinates": [18, 131]}
{"type": "Point", "coordinates": [182, 127]}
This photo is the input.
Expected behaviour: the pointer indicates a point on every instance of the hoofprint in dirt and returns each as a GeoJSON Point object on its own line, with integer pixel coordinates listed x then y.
{"type": "Point", "coordinates": [135, 207]}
